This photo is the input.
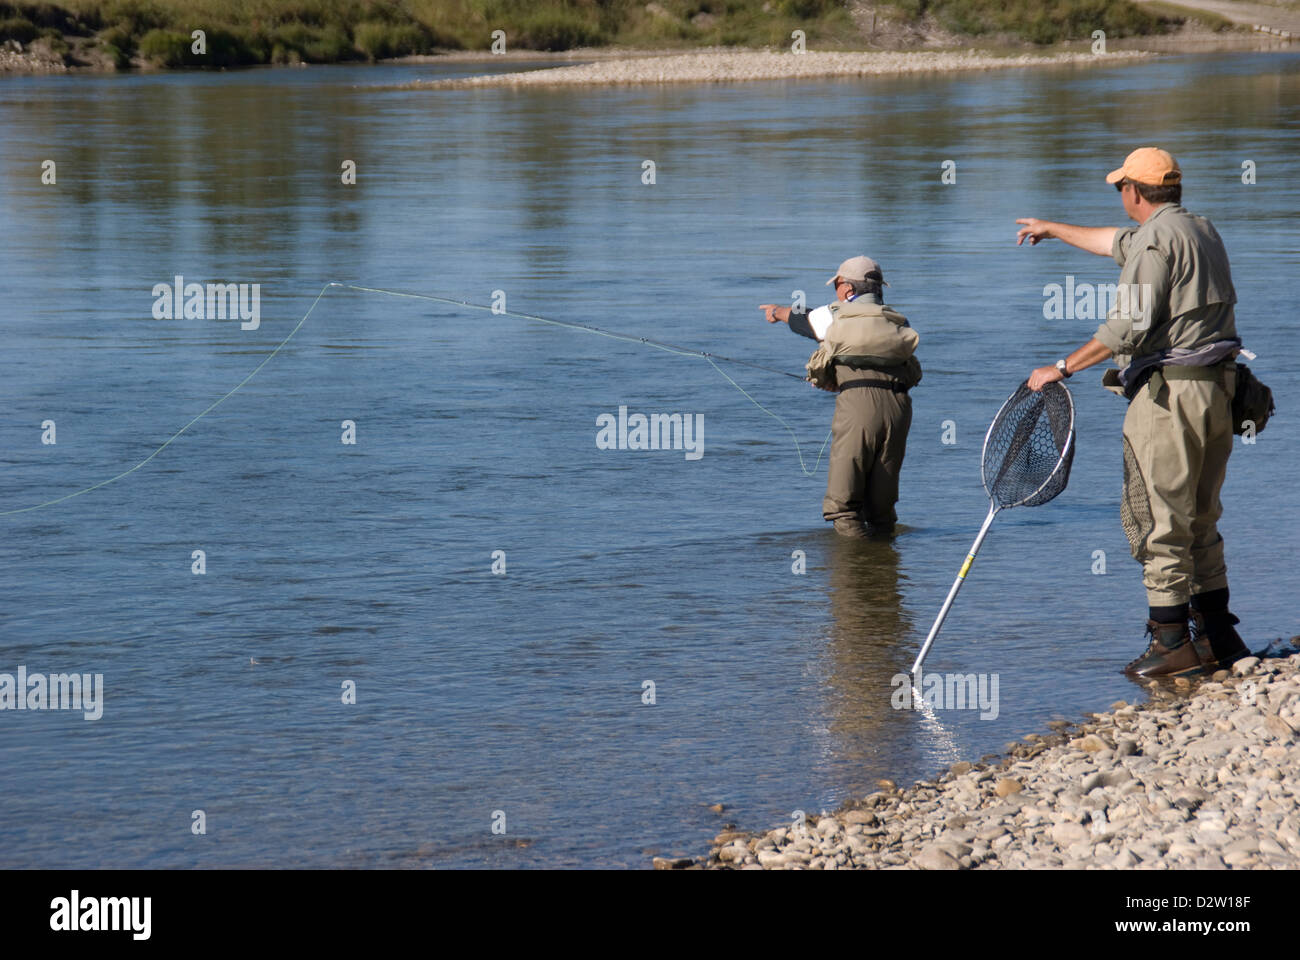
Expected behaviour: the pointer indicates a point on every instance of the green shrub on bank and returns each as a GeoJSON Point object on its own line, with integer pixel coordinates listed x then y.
{"type": "Point", "coordinates": [164, 48]}
{"type": "Point", "coordinates": [551, 29]}
{"type": "Point", "coordinates": [18, 28]}
{"type": "Point", "coordinates": [137, 17]}
{"type": "Point", "coordinates": [1034, 20]}
{"type": "Point", "coordinates": [309, 43]}
{"type": "Point", "coordinates": [379, 40]}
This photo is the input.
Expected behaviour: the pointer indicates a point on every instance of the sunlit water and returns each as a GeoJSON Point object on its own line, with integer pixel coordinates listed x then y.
{"type": "Point", "coordinates": [372, 563]}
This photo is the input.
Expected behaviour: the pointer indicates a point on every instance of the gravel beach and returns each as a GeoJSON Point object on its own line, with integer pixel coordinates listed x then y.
{"type": "Point", "coordinates": [1202, 776]}
{"type": "Point", "coordinates": [724, 65]}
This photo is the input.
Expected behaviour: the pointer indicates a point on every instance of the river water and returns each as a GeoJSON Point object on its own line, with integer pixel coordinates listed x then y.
{"type": "Point", "coordinates": [517, 699]}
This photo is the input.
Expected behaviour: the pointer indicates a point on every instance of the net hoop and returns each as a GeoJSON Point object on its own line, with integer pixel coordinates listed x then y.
{"type": "Point", "coordinates": [1062, 458]}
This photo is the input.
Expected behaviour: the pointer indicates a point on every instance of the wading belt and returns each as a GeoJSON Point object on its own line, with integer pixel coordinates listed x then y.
{"type": "Point", "coordinates": [1216, 373]}
{"type": "Point", "coordinates": [893, 385]}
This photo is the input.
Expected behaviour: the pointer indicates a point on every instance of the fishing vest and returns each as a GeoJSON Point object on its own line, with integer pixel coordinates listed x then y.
{"type": "Point", "coordinates": [866, 336]}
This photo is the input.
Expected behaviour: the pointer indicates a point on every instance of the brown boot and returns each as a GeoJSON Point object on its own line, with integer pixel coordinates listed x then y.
{"type": "Point", "coordinates": [1174, 651]}
{"type": "Point", "coordinates": [1225, 643]}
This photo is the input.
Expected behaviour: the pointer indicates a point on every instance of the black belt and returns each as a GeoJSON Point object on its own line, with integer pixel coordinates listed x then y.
{"type": "Point", "coordinates": [893, 385]}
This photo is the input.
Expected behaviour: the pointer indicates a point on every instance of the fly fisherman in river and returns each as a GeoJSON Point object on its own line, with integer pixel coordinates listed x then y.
{"type": "Point", "coordinates": [866, 357]}
{"type": "Point", "coordinates": [1174, 336]}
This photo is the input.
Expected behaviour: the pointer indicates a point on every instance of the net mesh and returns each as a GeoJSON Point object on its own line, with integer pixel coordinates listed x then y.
{"type": "Point", "coordinates": [1030, 447]}
{"type": "Point", "coordinates": [1135, 505]}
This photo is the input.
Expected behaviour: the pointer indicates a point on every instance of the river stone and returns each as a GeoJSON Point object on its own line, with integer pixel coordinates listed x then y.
{"type": "Point", "coordinates": [956, 834]}
{"type": "Point", "coordinates": [1279, 728]}
{"type": "Point", "coordinates": [1190, 797]}
{"type": "Point", "coordinates": [1089, 744]}
{"type": "Point", "coordinates": [672, 863]}
{"type": "Point", "coordinates": [1124, 859]}
{"type": "Point", "coordinates": [732, 853]}
{"type": "Point", "coordinates": [953, 848]}
{"type": "Point", "coordinates": [1117, 777]}
{"type": "Point", "coordinates": [1270, 846]}
{"type": "Point", "coordinates": [1066, 834]}
{"type": "Point", "coordinates": [1007, 786]}
{"type": "Point", "coordinates": [933, 858]}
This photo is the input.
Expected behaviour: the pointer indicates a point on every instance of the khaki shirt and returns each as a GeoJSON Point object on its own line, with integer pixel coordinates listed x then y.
{"type": "Point", "coordinates": [1175, 286]}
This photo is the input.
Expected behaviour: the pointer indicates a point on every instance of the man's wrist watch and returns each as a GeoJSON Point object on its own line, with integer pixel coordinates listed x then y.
{"type": "Point", "coordinates": [1060, 365]}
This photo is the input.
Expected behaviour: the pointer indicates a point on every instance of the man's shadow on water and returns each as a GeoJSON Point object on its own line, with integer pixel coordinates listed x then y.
{"type": "Point", "coordinates": [871, 640]}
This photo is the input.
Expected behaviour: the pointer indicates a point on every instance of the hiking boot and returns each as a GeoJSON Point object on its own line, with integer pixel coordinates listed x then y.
{"type": "Point", "coordinates": [1225, 643]}
{"type": "Point", "coordinates": [1174, 651]}
{"type": "Point", "coordinates": [851, 527]}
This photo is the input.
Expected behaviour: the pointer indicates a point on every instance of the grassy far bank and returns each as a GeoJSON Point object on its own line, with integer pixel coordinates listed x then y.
{"type": "Point", "coordinates": [125, 33]}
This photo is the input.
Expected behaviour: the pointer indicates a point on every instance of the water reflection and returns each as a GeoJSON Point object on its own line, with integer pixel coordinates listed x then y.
{"type": "Point", "coordinates": [873, 637]}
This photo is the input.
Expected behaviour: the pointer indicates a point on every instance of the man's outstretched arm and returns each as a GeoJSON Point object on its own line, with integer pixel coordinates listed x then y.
{"type": "Point", "coordinates": [811, 324]}
{"type": "Point", "coordinates": [1096, 240]}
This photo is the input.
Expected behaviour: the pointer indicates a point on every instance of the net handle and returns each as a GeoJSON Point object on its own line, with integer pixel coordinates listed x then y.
{"type": "Point", "coordinates": [952, 593]}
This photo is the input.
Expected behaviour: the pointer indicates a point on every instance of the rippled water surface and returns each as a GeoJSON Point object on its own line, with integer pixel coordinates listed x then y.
{"type": "Point", "coordinates": [372, 563]}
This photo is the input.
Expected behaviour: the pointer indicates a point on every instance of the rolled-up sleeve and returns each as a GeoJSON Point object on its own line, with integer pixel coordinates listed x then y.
{"type": "Point", "coordinates": [1119, 244]}
{"type": "Point", "coordinates": [1141, 298]}
{"type": "Point", "coordinates": [820, 321]}
{"type": "Point", "coordinates": [811, 324]}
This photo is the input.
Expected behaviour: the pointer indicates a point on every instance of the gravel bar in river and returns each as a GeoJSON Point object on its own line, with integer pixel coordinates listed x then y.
{"type": "Point", "coordinates": [724, 65]}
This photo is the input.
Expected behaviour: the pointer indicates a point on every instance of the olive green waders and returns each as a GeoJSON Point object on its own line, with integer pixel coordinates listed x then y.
{"type": "Point", "coordinates": [868, 440]}
{"type": "Point", "coordinates": [1177, 440]}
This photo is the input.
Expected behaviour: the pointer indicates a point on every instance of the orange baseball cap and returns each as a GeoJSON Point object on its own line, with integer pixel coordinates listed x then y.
{"type": "Point", "coordinates": [1149, 165]}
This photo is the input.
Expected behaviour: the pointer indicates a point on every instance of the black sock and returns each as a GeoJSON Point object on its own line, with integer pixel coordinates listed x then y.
{"type": "Point", "coordinates": [1175, 614]}
{"type": "Point", "coordinates": [1214, 601]}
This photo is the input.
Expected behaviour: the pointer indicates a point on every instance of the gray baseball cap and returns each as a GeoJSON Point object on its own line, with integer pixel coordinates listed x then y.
{"type": "Point", "coordinates": [858, 268]}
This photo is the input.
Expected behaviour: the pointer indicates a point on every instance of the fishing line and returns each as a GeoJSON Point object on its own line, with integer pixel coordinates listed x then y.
{"type": "Point", "coordinates": [657, 344]}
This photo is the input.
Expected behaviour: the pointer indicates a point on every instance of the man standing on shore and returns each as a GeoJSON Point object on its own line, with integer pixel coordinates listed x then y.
{"type": "Point", "coordinates": [1173, 333]}
{"type": "Point", "coordinates": [866, 357]}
